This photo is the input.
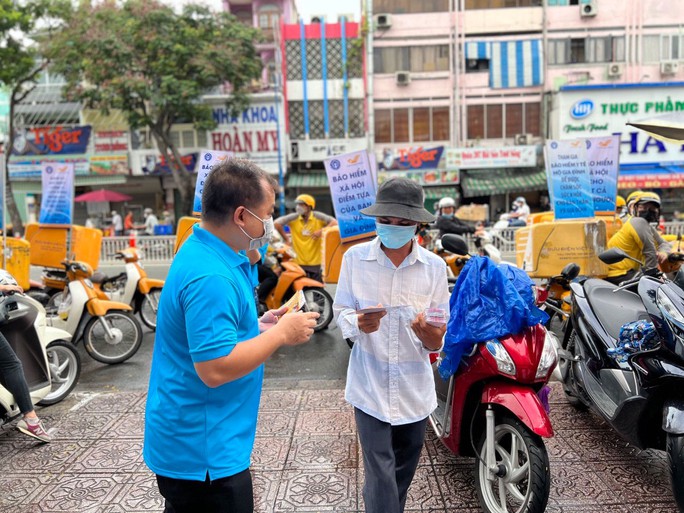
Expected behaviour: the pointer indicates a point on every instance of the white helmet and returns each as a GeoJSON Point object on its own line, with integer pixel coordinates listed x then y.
{"type": "Point", "coordinates": [446, 202]}
{"type": "Point", "coordinates": [520, 200]}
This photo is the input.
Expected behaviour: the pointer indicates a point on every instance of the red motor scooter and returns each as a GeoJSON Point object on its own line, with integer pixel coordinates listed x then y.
{"type": "Point", "coordinates": [491, 409]}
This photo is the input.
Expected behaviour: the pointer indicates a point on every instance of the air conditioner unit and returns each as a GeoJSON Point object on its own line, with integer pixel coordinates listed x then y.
{"type": "Point", "coordinates": [589, 9]}
{"type": "Point", "coordinates": [318, 18]}
{"type": "Point", "coordinates": [522, 139]}
{"type": "Point", "coordinates": [669, 67]}
{"type": "Point", "coordinates": [615, 69]}
{"type": "Point", "coordinates": [383, 21]}
{"type": "Point", "coordinates": [402, 78]}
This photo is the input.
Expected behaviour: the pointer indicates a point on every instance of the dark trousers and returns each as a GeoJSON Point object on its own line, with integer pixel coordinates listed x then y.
{"type": "Point", "coordinates": [13, 376]}
{"type": "Point", "coordinates": [390, 458]}
{"type": "Point", "coordinates": [232, 494]}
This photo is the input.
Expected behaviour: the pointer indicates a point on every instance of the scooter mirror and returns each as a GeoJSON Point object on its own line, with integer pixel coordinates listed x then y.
{"type": "Point", "coordinates": [570, 271]}
{"type": "Point", "coordinates": [455, 244]}
{"type": "Point", "coordinates": [613, 256]}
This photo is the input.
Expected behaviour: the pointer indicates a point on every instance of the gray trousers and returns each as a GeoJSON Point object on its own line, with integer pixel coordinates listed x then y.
{"type": "Point", "coordinates": [390, 458]}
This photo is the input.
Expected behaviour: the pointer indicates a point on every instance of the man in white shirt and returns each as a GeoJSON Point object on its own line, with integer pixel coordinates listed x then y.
{"type": "Point", "coordinates": [117, 223]}
{"type": "Point", "coordinates": [389, 380]}
{"type": "Point", "coordinates": [519, 216]}
{"type": "Point", "coordinates": [150, 221]}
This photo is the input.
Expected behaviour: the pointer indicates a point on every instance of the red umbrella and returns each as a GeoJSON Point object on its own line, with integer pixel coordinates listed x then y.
{"type": "Point", "coordinates": [103, 195]}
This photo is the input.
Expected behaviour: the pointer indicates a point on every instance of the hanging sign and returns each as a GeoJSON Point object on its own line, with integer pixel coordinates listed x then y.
{"type": "Point", "coordinates": [569, 179]}
{"type": "Point", "coordinates": [207, 162]}
{"type": "Point", "coordinates": [603, 160]}
{"type": "Point", "coordinates": [56, 206]}
{"type": "Point", "coordinates": [352, 186]}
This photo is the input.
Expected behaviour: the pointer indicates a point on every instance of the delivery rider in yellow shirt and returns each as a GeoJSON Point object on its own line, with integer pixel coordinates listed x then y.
{"type": "Point", "coordinates": [306, 229]}
{"type": "Point", "coordinates": [639, 238]}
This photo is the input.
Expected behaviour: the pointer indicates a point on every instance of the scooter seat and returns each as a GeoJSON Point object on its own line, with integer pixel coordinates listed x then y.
{"type": "Point", "coordinates": [614, 309]}
{"type": "Point", "coordinates": [99, 277]}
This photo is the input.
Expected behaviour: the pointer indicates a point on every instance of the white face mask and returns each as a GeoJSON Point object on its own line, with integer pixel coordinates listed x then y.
{"type": "Point", "coordinates": [300, 209]}
{"type": "Point", "coordinates": [258, 242]}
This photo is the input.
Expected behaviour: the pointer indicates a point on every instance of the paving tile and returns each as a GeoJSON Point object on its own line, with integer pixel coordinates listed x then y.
{"type": "Point", "coordinates": [56, 457]}
{"type": "Point", "coordinates": [270, 452]}
{"type": "Point", "coordinates": [265, 487]}
{"type": "Point", "coordinates": [274, 423]}
{"type": "Point", "coordinates": [110, 455]}
{"type": "Point", "coordinates": [71, 493]}
{"type": "Point", "coordinates": [326, 422]}
{"type": "Point", "coordinates": [140, 494]}
{"type": "Point", "coordinates": [127, 425]}
{"type": "Point", "coordinates": [641, 479]}
{"type": "Point", "coordinates": [323, 490]}
{"type": "Point", "coordinates": [18, 490]}
{"type": "Point", "coordinates": [457, 484]}
{"type": "Point", "coordinates": [575, 483]}
{"type": "Point", "coordinates": [79, 426]}
{"type": "Point", "coordinates": [334, 451]}
{"type": "Point", "coordinates": [324, 400]}
{"type": "Point", "coordinates": [424, 493]}
{"type": "Point", "coordinates": [278, 400]}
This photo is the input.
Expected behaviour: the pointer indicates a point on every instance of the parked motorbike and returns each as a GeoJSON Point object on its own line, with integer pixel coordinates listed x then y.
{"type": "Point", "coordinates": [131, 287]}
{"type": "Point", "coordinates": [554, 295]}
{"type": "Point", "coordinates": [490, 409]}
{"type": "Point", "coordinates": [292, 278]}
{"type": "Point", "coordinates": [641, 396]}
{"type": "Point", "coordinates": [51, 363]}
{"type": "Point", "coordinates": [485, 246]}
{"type": "Point", "coordinates": [110, 332]}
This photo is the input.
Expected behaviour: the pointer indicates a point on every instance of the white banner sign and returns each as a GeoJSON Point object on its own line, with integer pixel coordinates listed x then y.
{"type": "Point", "coordinates": [205, 165]}
{"type": "Point", "coordinates": [487, 158]}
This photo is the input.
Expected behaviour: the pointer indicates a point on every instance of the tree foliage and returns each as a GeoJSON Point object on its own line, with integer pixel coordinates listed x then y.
{"type": "Point", "coordinates": [155, 64]}
{"type": "Point", "coordinates": [20, 65]}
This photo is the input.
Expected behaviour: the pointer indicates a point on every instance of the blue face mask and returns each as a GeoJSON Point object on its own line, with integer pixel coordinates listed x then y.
{"type": "Point", "coordinates": [448, 216]}
{"type": "Point", "coordinates": [394, 236]}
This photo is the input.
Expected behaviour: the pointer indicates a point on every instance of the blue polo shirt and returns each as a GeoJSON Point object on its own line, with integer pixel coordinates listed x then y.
{"type": "Point", "coordinates": [206, 308]}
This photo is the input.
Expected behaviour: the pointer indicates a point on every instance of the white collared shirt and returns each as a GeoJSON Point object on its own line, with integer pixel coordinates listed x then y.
{"type": "Point", "coordinates": [389, 374]}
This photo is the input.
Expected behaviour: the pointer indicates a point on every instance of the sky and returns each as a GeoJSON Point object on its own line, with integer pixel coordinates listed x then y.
{"type": "Point", "coordinates": [306, 8]}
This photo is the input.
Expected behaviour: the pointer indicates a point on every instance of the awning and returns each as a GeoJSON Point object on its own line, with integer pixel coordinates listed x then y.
{"type": "Point", "coordinates": [303, 180]}
{"type": "Point", "coordinates": [440, 192]}
{"type": "Point", "coordinates": [488, 182]}
{"type": "Point", "coordinates": [35, 186]}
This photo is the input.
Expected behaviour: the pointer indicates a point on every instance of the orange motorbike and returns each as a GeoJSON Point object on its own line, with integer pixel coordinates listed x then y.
{"type": "Point", "coordinates": [292, 278]}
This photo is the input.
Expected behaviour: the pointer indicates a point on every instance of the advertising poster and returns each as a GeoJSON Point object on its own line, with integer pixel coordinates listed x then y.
{"type": "Point", "coordinates": [51, 140]}
{"type": "Point", "coordinates": [208, 161]}
{"type": "Point", "coordinates": [352, 187]}
{"type": "Point", "coordinates": [56, 206]}
{"type": "Point", "coordinates": [603, 159]}
{"type": "Point", "coordinates": [569, 179]}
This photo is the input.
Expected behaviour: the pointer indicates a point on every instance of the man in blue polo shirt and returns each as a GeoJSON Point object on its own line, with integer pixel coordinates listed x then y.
{"type": "Point", "coordinates": [207, 366]}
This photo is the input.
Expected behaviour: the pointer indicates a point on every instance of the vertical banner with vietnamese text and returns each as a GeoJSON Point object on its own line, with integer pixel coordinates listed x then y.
{"type": "Point", "coordinates": [568, 178]}
{"type": "Point", "coordinates": [56, 205]}
{"type": "Point", "coordinates": [208, 160]}
{"type": "Point", "coordinates": [603, 159]}
{"type": "Point", "coordinates": [352, 187]}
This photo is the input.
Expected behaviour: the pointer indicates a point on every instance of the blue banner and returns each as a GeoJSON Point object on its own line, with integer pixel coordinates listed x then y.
{"type": "Point", "coordinates": [352, 187]}
{"type": "Point", "coordinates": [603, 159]}
{"type": "Point", "coordinates": [208, 161]}
{"type": "Point", "coordinates": [569, 179]}
{"type": "Point", "coordinates": [56, 205]}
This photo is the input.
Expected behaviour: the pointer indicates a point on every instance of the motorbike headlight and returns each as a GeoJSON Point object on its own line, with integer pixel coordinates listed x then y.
{"type": "Point", "coordinates": [669, 309]}
{"type": "Point", "coordinates": [503, 360]}
{"type": "Point", "coordinates": [549, 356]}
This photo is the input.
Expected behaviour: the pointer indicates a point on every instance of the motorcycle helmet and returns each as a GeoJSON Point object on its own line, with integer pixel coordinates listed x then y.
{"type": "Point", "coordinates": [307, 200]}
{"type": "Point", "coordinates": [446, 202]}
{"type": "Point", "coordinates": [648, 197]}
{"type": "Point", "coordinates": [620, 202]}
{"type": "Point", "coordinates": [650, 215]}
{"type": "Point", "coordinates": [631, 199]}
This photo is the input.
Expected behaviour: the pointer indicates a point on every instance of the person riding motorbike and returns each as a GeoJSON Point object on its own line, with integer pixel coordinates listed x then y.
{"type": "Point", "coordinates": [620, 205]}
{"type": "Point", "coordinates": [629, 205]}
{"type": "Point", "coordinates": [639, 239]}
{"type": "Point", "coordinates": [521, 211]}
{"type": "Point", "coordinates": [447, 222]}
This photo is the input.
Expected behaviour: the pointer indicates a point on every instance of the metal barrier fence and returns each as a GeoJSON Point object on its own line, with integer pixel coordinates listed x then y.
{"type": "Point", "coordinates": [159, 248]}
{"type": "Point", "coordinates": [155, 249]}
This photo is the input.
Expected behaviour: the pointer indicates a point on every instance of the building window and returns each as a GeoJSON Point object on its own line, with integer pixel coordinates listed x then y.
{"type": "Point", "coordinates": [417, 125]}
{"type": "Point", "coordinates": [476, 65]}
{"type": "Point", "coordinates": [662, 47]}
{"type": "Point", "coordinates": [500, 4]}
{"type": "Point", "coordinates": [410, 6]}
{"type": "Point", "coordinates": [499, 121]}
{"type": "Point", "coordinates": [414, 58]}
{"type": "Point", "coordinates": [586, 50]}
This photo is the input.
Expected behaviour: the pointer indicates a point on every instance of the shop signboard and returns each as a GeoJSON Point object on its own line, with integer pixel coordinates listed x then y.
{"type": "Point", "coordinates": [109, 165]}
{"type": "Point", "coordinates": [320, 149]}
{"type": "Point", "coordinates": [111, 141]}
{"type": "Point", "coordinates": [410, 158]}
{"type": "Point", "coordinates": [425, 176]}
{"type": "Point", "coordinates": [352, 187]}
{"type": "Point", "coordinates": [256, 134]}
{"type": "Point", "coordinates": [489, 158]}
{"type": "Point", "coordinates": [56, 206]}
{"type": "Point", "coordinates": [33, 168]}
{"type": "Point", "coordinates": [52, 140]}
{"type": "Point", "coordinates": [591, 111]}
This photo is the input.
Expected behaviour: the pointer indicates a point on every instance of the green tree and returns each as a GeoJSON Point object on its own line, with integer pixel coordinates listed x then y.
{"type": "Point", "coordinates": [20, 66]}
{"type": "Point", "coordinates": [154, 65]}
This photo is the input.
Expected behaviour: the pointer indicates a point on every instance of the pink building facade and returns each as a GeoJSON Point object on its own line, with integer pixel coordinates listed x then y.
{"type": "Point", "coordinates": [488, 83]}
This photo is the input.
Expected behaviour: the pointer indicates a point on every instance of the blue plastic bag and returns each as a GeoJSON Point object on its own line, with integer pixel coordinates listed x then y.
{"type": "Point", "coordinates": [488, 302]}
{"type": "Point", "coordinates": [634, 337]}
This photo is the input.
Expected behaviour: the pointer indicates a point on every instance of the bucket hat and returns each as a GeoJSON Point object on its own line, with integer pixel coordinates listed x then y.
{"type": "Point", "coordinates": [400, 197]}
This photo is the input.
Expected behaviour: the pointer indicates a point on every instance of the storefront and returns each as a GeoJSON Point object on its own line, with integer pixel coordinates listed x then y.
{"type": "Point", "coordinates": [645, 163]}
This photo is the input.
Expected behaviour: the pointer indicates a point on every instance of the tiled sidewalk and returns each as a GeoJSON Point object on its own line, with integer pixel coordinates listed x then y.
{"type": "Point", "coordinates": [306, 460]}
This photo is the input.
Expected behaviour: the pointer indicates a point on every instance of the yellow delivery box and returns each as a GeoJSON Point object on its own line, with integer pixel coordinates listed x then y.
{"type": "Point", "coordinates": [17, 261]}
{"type": "Point", "coordinates": [543, 249]}
{"type": "Point", "coordinates": [49, 244]}
{"type": "Point", "coordinates": [333, 250]}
